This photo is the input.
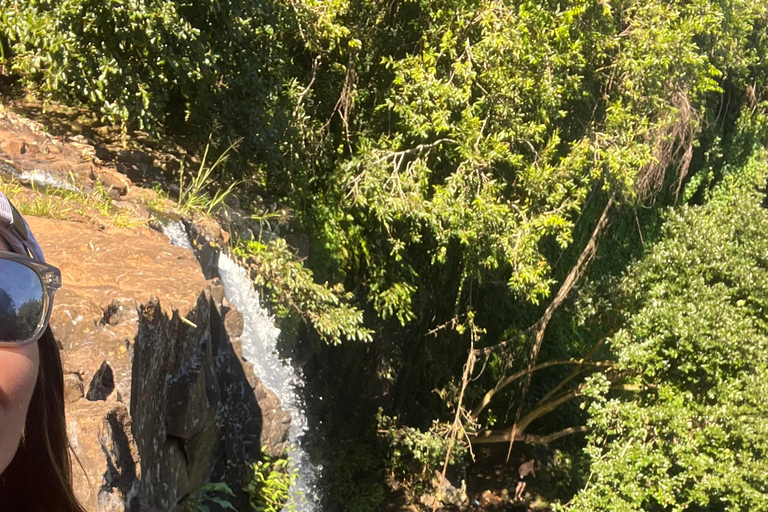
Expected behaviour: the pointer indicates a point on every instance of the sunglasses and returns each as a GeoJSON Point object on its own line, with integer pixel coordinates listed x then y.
{"type": "Point", "coordinates": [26, 298]}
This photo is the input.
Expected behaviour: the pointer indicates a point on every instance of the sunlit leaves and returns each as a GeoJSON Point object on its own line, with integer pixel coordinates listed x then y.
{"type": "Point", "coordinates": [697, 341]}
{"type": "Point", "coordinates": [294, 292]}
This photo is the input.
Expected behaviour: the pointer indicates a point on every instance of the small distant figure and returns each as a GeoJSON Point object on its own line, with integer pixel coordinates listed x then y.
{"type": "Point", "coordinates": [524, 470]}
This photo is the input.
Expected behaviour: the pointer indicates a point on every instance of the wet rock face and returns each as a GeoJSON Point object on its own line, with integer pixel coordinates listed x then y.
{"type": "Point", "coordinates": [159, 400]}
{"type": "Point", "coordinates": [240, 386]}
{"type": "Point", "coordinates": [254, 418]}
{"type": "Point", "coordinates": [206, 238]}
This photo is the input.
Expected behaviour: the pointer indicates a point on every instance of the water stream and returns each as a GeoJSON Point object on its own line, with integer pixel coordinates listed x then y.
{"type": "Point", "coordinates": [177, 234]}
{"type": "Point", "coordinates": [260, 348]}
{"type": "Point", "coordinates": [259, 340]}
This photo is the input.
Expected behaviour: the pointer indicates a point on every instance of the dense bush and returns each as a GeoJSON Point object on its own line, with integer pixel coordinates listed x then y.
{"type": "Point", "coordinates": [415, 456]}
{"type": "Point", "coordinates": [697, 344]}
{"type": "Point", "coordinates": [149, 64]}
{"type": "Point", "coordinates": [124, 58]}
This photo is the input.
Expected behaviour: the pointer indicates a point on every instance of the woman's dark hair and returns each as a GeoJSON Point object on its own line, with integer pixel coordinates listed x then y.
{"type": "Point", "coordinates": [39, 479]}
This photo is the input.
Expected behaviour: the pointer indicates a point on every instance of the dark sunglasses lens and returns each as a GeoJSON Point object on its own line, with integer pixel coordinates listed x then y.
{"type": "Point", "coordinates": [21, 302]}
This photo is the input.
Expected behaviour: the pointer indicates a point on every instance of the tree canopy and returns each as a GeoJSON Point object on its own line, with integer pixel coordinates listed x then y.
{"type": "Point", "coordinates": [695, 344]}
{"type": "Point", "coordinates": [513, 208]}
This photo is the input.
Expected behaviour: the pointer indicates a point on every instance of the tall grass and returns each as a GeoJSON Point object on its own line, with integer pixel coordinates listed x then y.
{"type": "Point", "coordinates": [193, 194]}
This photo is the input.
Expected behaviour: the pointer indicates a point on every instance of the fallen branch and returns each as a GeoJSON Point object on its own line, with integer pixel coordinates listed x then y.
{"type": "Point", "coordinates": [576, 371]}
{"type": "Point", "coordinates": [457, 423]}
{"type": "Point", "coordinates": [516, 432]}
{"type": "Point", "coordinates": [300, 99]}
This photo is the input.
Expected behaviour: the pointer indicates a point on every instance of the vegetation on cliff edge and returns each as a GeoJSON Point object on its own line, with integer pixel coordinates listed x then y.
{"type": "Point", "coordinates": [516, 207]}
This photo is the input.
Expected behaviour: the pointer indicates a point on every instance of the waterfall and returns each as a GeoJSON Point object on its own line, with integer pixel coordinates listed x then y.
{"type": "Point", "coordinates": [176, 234]}
{"type": "Point", "coordinates": [259, 340]}
{"type": "Point", "coordinates": [259, 347]}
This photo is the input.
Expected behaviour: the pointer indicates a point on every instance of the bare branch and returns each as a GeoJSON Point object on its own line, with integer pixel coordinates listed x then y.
{"type": "Point", "coordinates": [576, 371]}
{"type": "Point", "coordinates": [522, 373]}
{"type": "Point", "coordinates": [457, 423]}
{"type": "Point", "coordinates": [518, 428]}
{"type": "Point", "coordinates": [300, 100]}
{"type": "Point", "coordinates": [502, 344]}
{"type": "Point", "coordinates": [531, 438]}
{"type": "Point", "coordinates": [540, 327]}
{"type": "Point", "coordinates": [415, 150]}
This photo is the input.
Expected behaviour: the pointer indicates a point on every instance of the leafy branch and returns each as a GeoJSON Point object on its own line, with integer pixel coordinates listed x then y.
{"type": "Point", "coordinates": [294, 292]}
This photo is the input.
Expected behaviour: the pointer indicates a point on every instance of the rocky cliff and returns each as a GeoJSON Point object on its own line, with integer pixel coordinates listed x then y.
{"type": "Point", "coordinates": [159, 398]}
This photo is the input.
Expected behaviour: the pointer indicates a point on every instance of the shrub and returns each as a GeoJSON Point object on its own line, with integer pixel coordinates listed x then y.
{"type": "Point", "coordinates": [149, 64]}
{"type": "Point", "coordinates": [124, 58]}
{"type": "Point", "coordinates": [415, 455]}
{"type": "Point", "coordinates": [695, 345]}
{"type": "Point", "coordinates": [269, 487]}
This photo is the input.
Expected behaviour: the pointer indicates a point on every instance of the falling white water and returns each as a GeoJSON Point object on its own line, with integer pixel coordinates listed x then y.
{"type": "Point", "coordinates": [176, 234]}
{"type": "Point", "coordinates": [259, 341]}
{"type": "Point", "coordinates": [259, 347]}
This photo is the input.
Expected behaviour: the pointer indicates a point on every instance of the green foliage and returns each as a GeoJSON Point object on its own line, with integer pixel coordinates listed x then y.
{"type": "Point", "coordinates": [447, 158]}
{"type": "Point", "coordinates": [476, 136]}
{"type": "Point", "coordinates": [208, 493]}
{"type": "Point", "coordinates": [482, 160]}
{"type": "Point", "coordinates": [121, 57]}
{"type": "Point", "coordinates": [696, 342]}
{"type": "Point", "coordinates": [149, 64]}
{"type": "Point", "coordinates": [447, 144]}
{"type": "Point", "coordinates": [294, 292]}
{"type": "Point", "coordinates": [562, 478]}
{"type": "Point", "coordinates": [355, 476]}
{"type": "Point", "coordinates": [415, 455]}
{"type": "Point", "coordinates": [269, 487]}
